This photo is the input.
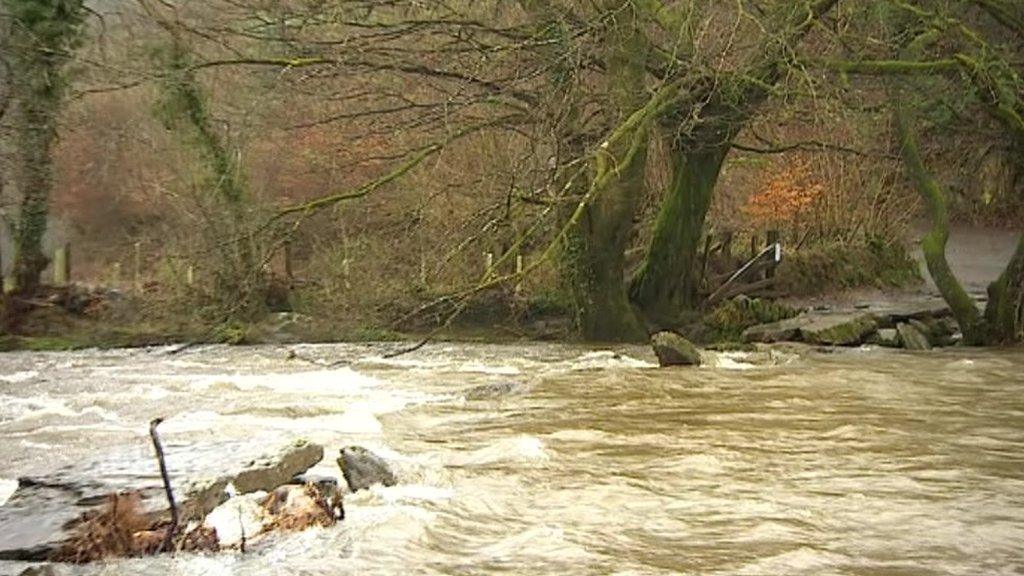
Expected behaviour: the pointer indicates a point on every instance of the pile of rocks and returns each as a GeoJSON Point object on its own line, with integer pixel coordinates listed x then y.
{"type": "Point", "coordinates": [65, 516]}
{"type": "Point", "coordinates": [913, 329]}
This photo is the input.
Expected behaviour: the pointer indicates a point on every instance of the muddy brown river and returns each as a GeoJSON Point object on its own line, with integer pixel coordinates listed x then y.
{"type": "Point", "coordinates": [571, 460]}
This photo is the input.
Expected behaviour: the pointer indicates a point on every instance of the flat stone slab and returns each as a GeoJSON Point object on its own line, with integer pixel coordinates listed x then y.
{"type": "Point", "coordinates": [889, 315]}
{"type": "Point", "coordinates": [781, 331]}
{"type": "Point", "coordinates": [815, 328]}
{"type": "Point", "coordinates": [273, 470]}
{"type": "Point", "coordinates": [838, 330]}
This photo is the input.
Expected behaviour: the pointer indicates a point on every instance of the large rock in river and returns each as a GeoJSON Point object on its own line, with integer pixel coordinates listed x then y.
{"type": "Point", "coordinates": [362, 469]}
{"type": "Point", "coordinates": [41, 514]}
{"type": "Point", "coordinates": [674, 350]}
{"type": "Point", "coordinates": [912, 337]}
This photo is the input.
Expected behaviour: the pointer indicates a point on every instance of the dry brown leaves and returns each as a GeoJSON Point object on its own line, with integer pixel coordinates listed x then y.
{"type": "Point", "coordinates": [296, 508]}
{"type": "Point", "coordinates": [785, 195]}
{"type": "Point", "coordinates": [120, 529]}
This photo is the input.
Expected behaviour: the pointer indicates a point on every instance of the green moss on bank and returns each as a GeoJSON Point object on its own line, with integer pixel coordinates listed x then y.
{"type": "Point", "coordinates": [835, 267]}
{"type": "Point", "coordinates": [727, 322]}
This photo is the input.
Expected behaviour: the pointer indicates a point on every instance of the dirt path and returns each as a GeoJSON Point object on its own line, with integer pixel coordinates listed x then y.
{"type": "Point", "coordinates": [977, 256]}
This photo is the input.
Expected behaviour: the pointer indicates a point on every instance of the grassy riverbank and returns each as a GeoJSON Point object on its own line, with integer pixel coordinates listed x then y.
{"type": "Point", "coordinates": [78, 318]}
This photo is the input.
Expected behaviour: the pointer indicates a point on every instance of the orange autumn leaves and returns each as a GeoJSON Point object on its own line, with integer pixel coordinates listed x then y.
{"type": "Point", "coordinates": [785, 196]}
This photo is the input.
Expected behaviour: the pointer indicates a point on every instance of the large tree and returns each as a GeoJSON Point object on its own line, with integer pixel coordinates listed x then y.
{"type": "Point", "coordinates": [970, 49]}
{"type": "Point", "coordinates": [588, 84]}
{"type": "Point", "coordinates": [42, 35]}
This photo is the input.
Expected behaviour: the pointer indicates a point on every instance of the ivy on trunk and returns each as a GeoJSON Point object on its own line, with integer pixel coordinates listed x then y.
{"type": "Point", "coordinates": [43, 33]}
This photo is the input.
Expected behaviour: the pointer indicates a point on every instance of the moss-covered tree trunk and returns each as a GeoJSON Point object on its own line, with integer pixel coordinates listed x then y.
{"type": "Point", "coordinates": [667, 282]}
{"type": "Point", "coordinates": [1005, 310]}
{"type": "Point", "coordinates": [934, 242]}
{"type": "Point", "coordinates": [595, 252]}
{"type": "Point", "coordinates": [186, 110]}
{"type": "Point", "coordinates": [240, 284]}
{"type": "Point", "coordinates": [35, 135]}
{"type": "Point", "coordinates": [42, 34]}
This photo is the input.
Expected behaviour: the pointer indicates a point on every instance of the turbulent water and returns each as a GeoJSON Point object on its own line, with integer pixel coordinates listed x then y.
{"type": "Point", "coordinates": [571, 460]}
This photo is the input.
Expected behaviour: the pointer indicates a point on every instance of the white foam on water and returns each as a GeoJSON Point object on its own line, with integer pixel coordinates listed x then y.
{"type": "Point", "coordinates": [192, 422]}
{"type": "Point", "coordinates": [706, 464]}
{"type": "Point", "coordinates": [401, 493]}
{"type": "Point", "coordinates": [338, 382]}
{"type": "Point", "coordinates": [15, 378]}
{"type": "Point", "coordinates": [542, 542]}
{"type": "Point", "coordinates": [477, 368]}
{"type": "Point", "coordinates": [7, 488]}
{"type": "Point", "coordinates": [444, 365]}
{"type": "Point", "coordinates": [732, 361]}
{"type": "Point", "coordinates": [151, 392]}
{"type": "Point", "coordinates": [349, 422]}
{"type": "Point", "coordinates": [803, 560]}
{"type": "Point", "coordinates": [517, 449]}
{"type": "Point", "coordinates": [362, 517]}
{"type": "Point", "coordinates": [580, 435]}
{"type": "Point", "coordinates": [770, 532]}
{"type": "Point", "coordinates": [15, 408]}
{"type": "Point", "coordinates": [607, 359]}
{"type": "Point", "coordinates": [356, 421]}
{"type": "Point", "coordinates": [408, 363]}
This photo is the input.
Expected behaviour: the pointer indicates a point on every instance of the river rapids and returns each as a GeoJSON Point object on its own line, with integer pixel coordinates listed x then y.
{"type": "Point", "coordinates": [557, 459]}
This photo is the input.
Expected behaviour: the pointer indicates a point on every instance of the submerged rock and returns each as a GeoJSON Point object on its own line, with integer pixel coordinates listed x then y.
{"type": "Point", "coordinates": [912, 337]}
{"type": "Point", "coordinates": [674, 350]}
{"type": "Point", "coordinates": [495, 390]}
{"type": "Point", "coordinates": [362, 469]}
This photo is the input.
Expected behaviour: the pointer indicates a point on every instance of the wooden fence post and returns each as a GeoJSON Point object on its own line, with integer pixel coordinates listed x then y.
{"type": "Point", "coordinates": [137, 268]}
{"type": "Point", "coordinates": [288, 273]}
{"type": "Point", "coordinates": [519, 271]}
{"type": "Point", "coordinates": [773, 240]}
{"type": "Point", "coordinates": [727, 237]}
{"type": "Point", "coordinates": [62, 266]}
